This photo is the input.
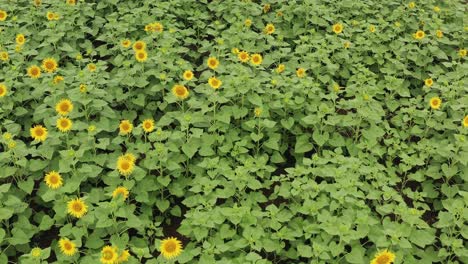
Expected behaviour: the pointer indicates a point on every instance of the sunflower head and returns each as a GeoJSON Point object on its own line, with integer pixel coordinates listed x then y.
{"type": "Point", "coordinates": [243, 56]}
{"type": "Point", "coordinates": [214, 82]}
{"type": "Point", "coordinates": [180, 91]}
{"type": "Point", "coordinates": [462, 52]}
{"type": "Point", "coordinates": [337, 28]}
{"type": "Point", "coordinates": [280, 68]}
{"type": "Point", "coordinates": [53, 180]}
{"type": "Point", "coordinates": [34, 72]}
{"type": "Point", "coordinates": [77, 208]}
{"type": "Point", "coordinates": [257, 111]}
{"type": "Point", "coordinates": [411, 5]}
{"type": "Point", "coordinates": [188, 75]}
{"type": "Point", "coordinates": [4, 56]}
{"type": "Point", "coordinates": [435, 103]}
{"type": "Point", "coordinates": [256, 59]}
{"type": "Point", "coordinates": [38, 133]}
{"type": "Point", "coordinates": [120, 191]}
{"type": "Point", "coordinates": [248, 22]}
{"type": "Point", "coordinates": [148, 125]}
{"type": "Point", "coordinates": [436, 9]}
{"type": "Point", "coordinates": [139, 45]}
{"type": "Point", "coordinates": [266, 8]}
{"type": "Point", "coordinates": [419, 35]}
{"type": "Point", "coordinates": [428, 82]}
{"type": "Point", "coordinates": [58, 79]}
{"type": "Point", "coordinates": [141, 56]}
{"type": "Point", "coordinates": [125, 166]}
{"type": "Point", "coordinates": [20, 39]}
{"type": "Point", "coordinates": [71, 2]}
{"type": "Point", "coordinates": [125, 127]}
{"type": "Point", "coordinates": [439, 33]}
{"type": "Point", "coordinates": [126, 43]}
{"type": "Point", "coordinates": [36, 252]}
{"type": "Point", "coordinates": [465, 121]}
{"type": "Point", "coordinates": [3, 15]}
{"type": "Point", "coordinates": [269, 29]}
{"type": "Point", "coordinates": [372, 28]}
{"type": "Point", "coordinates": [123, 256]}
{"type": "Point", "coordinates": [64, 124]}
{"type": "Point", "coordinates": [300, 72]}
{"type": "Point", "coordinates": [109, 255]}
{"type": "Point", "coordinates": [383, 257]}
{"type": "Point", "coordinates": [67, 247]}
{"type": "Point", "coordinates": [3, 90]}
{"type": "Point", "coordinates": [49, 65]}
{"type": "Point", "coordinates": [92, 67]}
{"type": "Point", "coordinates": [212, 63]}
{"type": "Point", "coordinates": [64, 107]}
{"type": "Point", "coordinates": [170, 248]}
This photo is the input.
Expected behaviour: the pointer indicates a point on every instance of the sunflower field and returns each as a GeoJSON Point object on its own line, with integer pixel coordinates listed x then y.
{"type": "Point", "coordinates": [233, 132]}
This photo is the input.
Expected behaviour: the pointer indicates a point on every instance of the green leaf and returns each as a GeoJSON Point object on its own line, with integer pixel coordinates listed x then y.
{"type": "Point", "coordinates": [303, 144]}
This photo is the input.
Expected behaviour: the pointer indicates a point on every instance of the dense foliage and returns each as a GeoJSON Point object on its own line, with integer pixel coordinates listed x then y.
{"type": "Point", "coordinates": [286, 131]}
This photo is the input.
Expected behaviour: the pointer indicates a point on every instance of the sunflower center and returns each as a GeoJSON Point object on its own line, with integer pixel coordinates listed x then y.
{"type": "Point", "coordinates": [77, 207]}
{"type": "Point", "coordinates": [64, 107]}
{"type": "Point", "coordinates": [384, 259]}
{"type": "Point", "coordinates": [170, 246]}
{"type": "Point", "coordinates": [64, 123]}
{"type": "Point", "coordinates": [53, 179]}
{"type": "Point", "coordinates": [180, 91]}
{"type": "Point", "coordinates": [125, 165]}
{"type": "Point", "coordinates": [39, 132]}
{"type": "Point", "coordinates": [139, 46]}
{"type": "Point", "coordinates": [2, 15]}
{"type": "Point", "coordinates": [435, 103]}
{"type": "Point", "coordinates": [141, 55]}
{"type": "Point", "coordinates": [256, 59]}
{"type": "Point", "coordinates": [125, 127]}
{"type": "Point", "coordinates": [212, 62]}
{"type": "Point", "coordinates": [67, 246]}
{"type": "Point", "coordinates": [34, 71]}
{"type": "Point", "coordinates": [49, 65]}
{"type": "Point", "coordinates": [148, 125]}
{"type": "Point", "coordinates": [214, 82]}
{"type": "Point", "coordinates": [108, 255]}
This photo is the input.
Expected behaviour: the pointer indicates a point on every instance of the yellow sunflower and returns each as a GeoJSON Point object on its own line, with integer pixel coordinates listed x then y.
{"type": "Point", "coordinates": [83, 88]}
{"type": "Point", "coordinates": [3, 90]}
{"type": "Point", "coordinates": [419, 35]}
{"type": "Point", "coordinates": [34, 72]}
{"type": "Point", "coordinates": [109, 255]}
{"type": "Point", "coordinates": [123, 256]}
{"type": "Point", "coordinates": [4, 56]}
{"type": "Point", "coordinates": [383, 257]}
{"type": "Point", "coordinates": [243, 56]}
{"type": "Point", "coordinates": [300, 72]}
{"type": "Point", "coordinates": [337, 28]}
{"type": "Point", "coordinates": [126, 43]}
{"type": "Point", "coordinates": [64, 124]}
{"type": "Point", "coordinates": [157, 27]}
{"type": "Point", "coordinates": [49, 65]}
{"type": "Point", "coordinates": [214, 82]}
{"type": "Point", "coordinates": [20, 39]}
{"type": "Point", "coordinates": [170, 248]}
{"type": "Point", "coordinates": [139, 45]}
{"type": "Point", "coordinates": [188, 75]}
{"type": "Point", "coordinates": [125, 127]}
{"type": "Point", "coordinates": [71, 2]}
{"type": "Point", "coordinates": [129, 156]}
{"type": "Point", "coordinates": [67, 247]}
{"type": "Point", "coordinates": [53, 179]}
{"type": "Point", "coordinates": [435, 103]}
{"type": "Point", "coordinates": [235, 50]}
{"type": "Point", "coordinates": [212, 63]}
{"type": "Point", "coordinates": [411, 5]}
{"type": "Point", "coordinates": [180, 91]}
{"type": "Point", "coordinates": [37, 2]}
{"type": "Point", "coordinates": [372, 28]}
{"type": "Point", "coordinates": [462, 53]}
{"type": "Point", "coordinates": [257, 111]}
{"type": "Point", "coordinates": [248, 22]}
{"type": "Point", "coordinates": [120, 191]}
{"type": "Point", "coordinates": [280, 68]}
{"type": "Point", "coordinates": [266, 8]}
{"type": "Point", "coordinates": [38, 133]}
{"type": "Point", "coordinates": [256, 59]}
{"type": "Point", "coordinates": [51, 16]}
{"type": "Point", "coordinates": [269, 29]}
{"type": "Point", "coordinates": [428, 82]}
{"type": "Point", "coordinates": [141, 56]}
{"type": "Point", "coordinates": [439, 33]}
{"type": "Point", "coordinates": [347, 44]}
{"type": "Point", "coordinates": [125, 166]}
{"type": "Point", "coordinates": [3, 15]}
{"type": "Point", "coordinates": [64, 107]}
{"type": "Point", "coordinates": [465, 121]}
{"type": "Point", "coordinates": [77, 207]}
{"type": "Point", "coordinates": [58, 79]}
{"type": "Point", "coordinates": [36, 252]}
{"type": "Point", "coordinates": [148, 125]}
{"type": "Point", "coordinates": [92, 67]}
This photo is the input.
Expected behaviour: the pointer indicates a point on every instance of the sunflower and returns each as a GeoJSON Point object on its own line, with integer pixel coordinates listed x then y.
{"type": "Point", "coordinates": [139, 45]}
{"type": "Point", "coordinates": [109, 255]}
{"type": "Point", "coordinates": [214, 83]}
{"type": "Point", "coordinates": [38, 133]}
{"type": "Point", "coordinates": [372, 28]}
{"type": "Point", "coordinates": [58, 79]}
{"type": "Point", "coordinates": [300, 72]}
{"type": "Point", "coordinates": [3, 90]}
{"type": "Point", "coordinates": [435, 102]}
{"type": "Point", "coordinates": [212, 63]}
{"type": "Point", "coordinates": [77, 208]}
{"type": "Point", "coordinates": [411, 5]}
{"type": "Point", "coordinates": [64, 124]}
{"type": "Point", "coordinates": [188, 75]}
{"type": "Point", "coordinates": [64, 107]}
{"type": "Point", "coordinates": [465, 121]}
{"type": "Point", "coordinates": [383, 257]}
{"type": "Point", "coordinates": [436, 9]}
{"type": "Point", "coordinates": [83, 88]}
{"type": "Point", "coordinates": [180, 91]}
{"type": "Point", "coordinates": [126, 43]}
{"type": "Point", "coordinates": [269, 29]}
{"type": "Point", "coordinates": [337, 28]}
{"type": "Point", "coordinates": [4, 56]}
{"type": "Point", "coordinates": [92, 67]}
{"type": "Point", "coordinates": [439, 33]}
{"type": "Point", "coordinates": [129, 156]}
{"type": "Point", "coordinates": [141, 56]}
{"type": "Point", "coordinates": [20, 39]}
{"type": "Point", "coordinates": [462, 52]}
{"type": "Point", "coordinates": [347, 44]}
{"type": "Point", "coordinates": [3, 15]}
{"type": "Point", "coordinates": [148, 125]}
{"type": "Point", "coordinates": [419, 35]}
{"type": "Point", "coordinates": [120, 191]}
{"type": "Point", "coordinates": [266, 8]}
{"type": "Point", "coordinates": [125, 166]}
{"type": "Point", "coordinates": [256, 59]}
{"type": "Point", "coordinates": [49, 65]}
{"type": "Point", "coordinates": [34, 72]}
{"type": "Point", "coordinates": [235, 50]}
{"type": "Point", "coordinates": [257, 111]}
{"type": "Point", "coordinates": [170, 248]}
{"type": "Point", "coordinates": [428, 82]}
{"type": "Point", "coordinates": [50, 16]}
{"type": "Point", "coordinates": [67, 247]}
{"type": "Point", "coordinates": [280, 68]}
{"type": "Point", "coordinates": [36, 252]}
{"type": "Point", "coordinates": [157, 27]}
{"type": "Point", "coordinates": [71, 2]}
{"type": "Point", "coordinates": [125, 127]}
{"type": "Point", "coordinates": [53, 179]}
{"type": "Point", "coordinates": [123, 256]}
{"type": "Point", "coordinates": [243, 56]}
{"type": "Point", "coordinates": [248, 22]}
